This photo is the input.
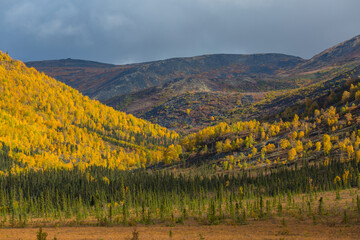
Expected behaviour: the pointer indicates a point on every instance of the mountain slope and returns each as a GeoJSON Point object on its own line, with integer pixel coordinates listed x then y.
{"type": "Point", "coordinates": [46, 124]}
{"type": "Point", "coordinates": [182, 111]}
{"type": "Point", "coordinates": [183, 93]}
{"type": "Point", "coordinates": [342, 53]}
{"type": "Point", "coordinates": [325, 135]}
{"type": "Point", "coordinates": [305, 100]}
{"type": "Point", "coordinates": [219, 71]}
{"type": "Point", "coordinates": [168, 105]}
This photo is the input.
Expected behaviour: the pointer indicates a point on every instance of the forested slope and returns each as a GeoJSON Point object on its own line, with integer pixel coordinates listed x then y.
{"type": "Point", "coordinates": [327, 130]}
{"type": "Point", "coordinates": [46, 124]}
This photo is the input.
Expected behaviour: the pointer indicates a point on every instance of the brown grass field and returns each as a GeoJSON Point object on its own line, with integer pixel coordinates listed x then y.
{"type": "Point", "coordinates": [328, 226]}
{"type": "Point", "coordinates": [268, 229]}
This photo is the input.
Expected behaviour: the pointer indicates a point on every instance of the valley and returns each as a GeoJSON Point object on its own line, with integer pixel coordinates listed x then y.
{"type": "Point", "coordinates": [261, 146]}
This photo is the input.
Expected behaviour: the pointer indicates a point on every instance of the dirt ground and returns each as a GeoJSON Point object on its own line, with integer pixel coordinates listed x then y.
{"type": "Point", "coordinates": [267, 229]}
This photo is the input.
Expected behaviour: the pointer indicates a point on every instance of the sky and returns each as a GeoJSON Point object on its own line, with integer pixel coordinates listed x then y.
{"type": "Point", "coordinates": [128, 31]}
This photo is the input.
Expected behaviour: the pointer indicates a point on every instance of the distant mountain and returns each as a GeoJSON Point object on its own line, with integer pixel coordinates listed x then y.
{"type": "Point", "coordinates": [104, 81]}
{"type": "Point", "coordinates": [69, 63]}
{"type": "Point", "coordinates": [188, 92]}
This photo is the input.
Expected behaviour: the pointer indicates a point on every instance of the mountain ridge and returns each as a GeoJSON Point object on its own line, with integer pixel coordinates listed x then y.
{"type": "Point", "coordinates": [345, 51]}
{"type": "Point", "coordinates": [104, 81]}
{"type": "Point", "coordinates": [122, 79]}
{"type": "Point", "coordinates": [164, 91]}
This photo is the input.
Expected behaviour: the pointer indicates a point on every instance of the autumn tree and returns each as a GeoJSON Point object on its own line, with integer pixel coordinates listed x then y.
{"type": "Point", "coordinates": [292, 154]}
{"type": "Point", "coordinates": [345, 97]}
{"type": "Point", "coordinates": [284, 143]}
{"type": "Point", "coordinates": [327, 143]}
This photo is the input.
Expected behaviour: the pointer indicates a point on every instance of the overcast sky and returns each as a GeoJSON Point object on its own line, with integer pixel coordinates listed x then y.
{"type": "Point", "coordinates": [126, 31]}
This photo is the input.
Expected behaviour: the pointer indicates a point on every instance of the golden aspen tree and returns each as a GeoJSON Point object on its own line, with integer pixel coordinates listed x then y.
{"type": "Point", "coordinates": [345, 97]}
{"type": "Point", "coordinates": [254, 151]}
{"type": "Point", "coordinates": [292, 154]}
{"type": "Point", "coordinates": [301, 135]}
{"type": "Point", "coordinates": [350, 150]}
{"type": "Point", "coordinates": [219, 146]}
{"type": "Point", "coordinates": [284, 143]}
{"type": "Point", "coordinates": [299, 147]}
{"type": "Point", "coordinates": [263, 151]}
{"type": "Point", "coordinates": [309, 145]}
{"type": "Point", "coordinates": [357, 95]}
{"type": "Point", "coordinates": [294, 135]}
{"type": "Point", "coordinates": [262, 135]}
{"type": "Point", "coordinates": [327, 143]}
{"type": "Point", "coordinates": [345, 176]}
{"type": "Point", "coordinates": [348, 118]}
{"type": "Point", "coordinates": [357, 156]}
{"type": "Point", "coordinates": [295, 121]}
{"type": "Point", "coordinates": [238, 143]}
{"type": "Point", "coordinates": [226, 146]}
{"type": "Point", "coordinates": [318, 146]}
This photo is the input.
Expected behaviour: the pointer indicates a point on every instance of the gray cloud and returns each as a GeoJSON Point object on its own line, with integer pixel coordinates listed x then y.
{"type": "Point", "coordinates": [123, 31]}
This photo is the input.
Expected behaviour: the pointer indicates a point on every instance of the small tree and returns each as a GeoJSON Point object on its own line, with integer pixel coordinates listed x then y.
{"type": "Point", "coordinates": [284, 143]}
{"type": "Point", "coordinates": [345, 97]}
{"type": "Point", "coordinates": [40, 235]}
{"type": "Point", "coordinates": [292, 154]}
{"type": "Point", "coordinates": [327, 143]}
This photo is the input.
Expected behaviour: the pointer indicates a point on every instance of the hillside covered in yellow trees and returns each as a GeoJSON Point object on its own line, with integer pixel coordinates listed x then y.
{"type": "Point", "coordinates": [46, 124]}
{"type": "Point", "coordinates": [315, 125]}
{"type": "Point", "coordinates": [67, 160]}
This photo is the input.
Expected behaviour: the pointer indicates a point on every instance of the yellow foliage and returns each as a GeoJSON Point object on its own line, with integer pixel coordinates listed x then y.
{"type": "Point", "coordinates": [357, 156]}
{"type": "Point", "coordinates": [308, 145]}
{"type": "Point", "coordinates": [345, 176]}
{"type": "Point", "coordinates": [227, 146]}
{"type": "Point", "coordinates": [254, 151]}
{"type": "Point", "coordinates": [292, 154]}
{"type": "Point", "coordinates": [327, 143]}
{"type": "Point", "coordinates": [219, 146]}
{"type": "Point", "coordinates": [350, 150]}
{"type": "Point", "coordinates": [301, 135]}
{"type": "Point", "coordinates": [270, 147]}
{"type": "Point", "coordinates": [316, 113]}
{"type": "Point", "coordinates": [337, 179]}
{"type": "Point", "coordinates": [299, 147]}
{"type": "Point", "coordinates": [326, 162]}
{"type": "Point", "coordinates": [345, 97]}
{"type": "Point", "coordinates": [53, 126]}
{"type": "Point", "coordinates": [295, 121]}
{"type": "Point", "coordinates": [357, 95]}
{"type": "Point", "coordinates": [106, 180]}
{"type": "Point", "coordinates": [284, 143]}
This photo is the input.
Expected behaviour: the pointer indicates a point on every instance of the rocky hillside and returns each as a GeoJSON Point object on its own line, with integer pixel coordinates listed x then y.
{"type": "Point", "coordinates": [215, 72]}
{"type": "Point", "coordinates": [183, 93]}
